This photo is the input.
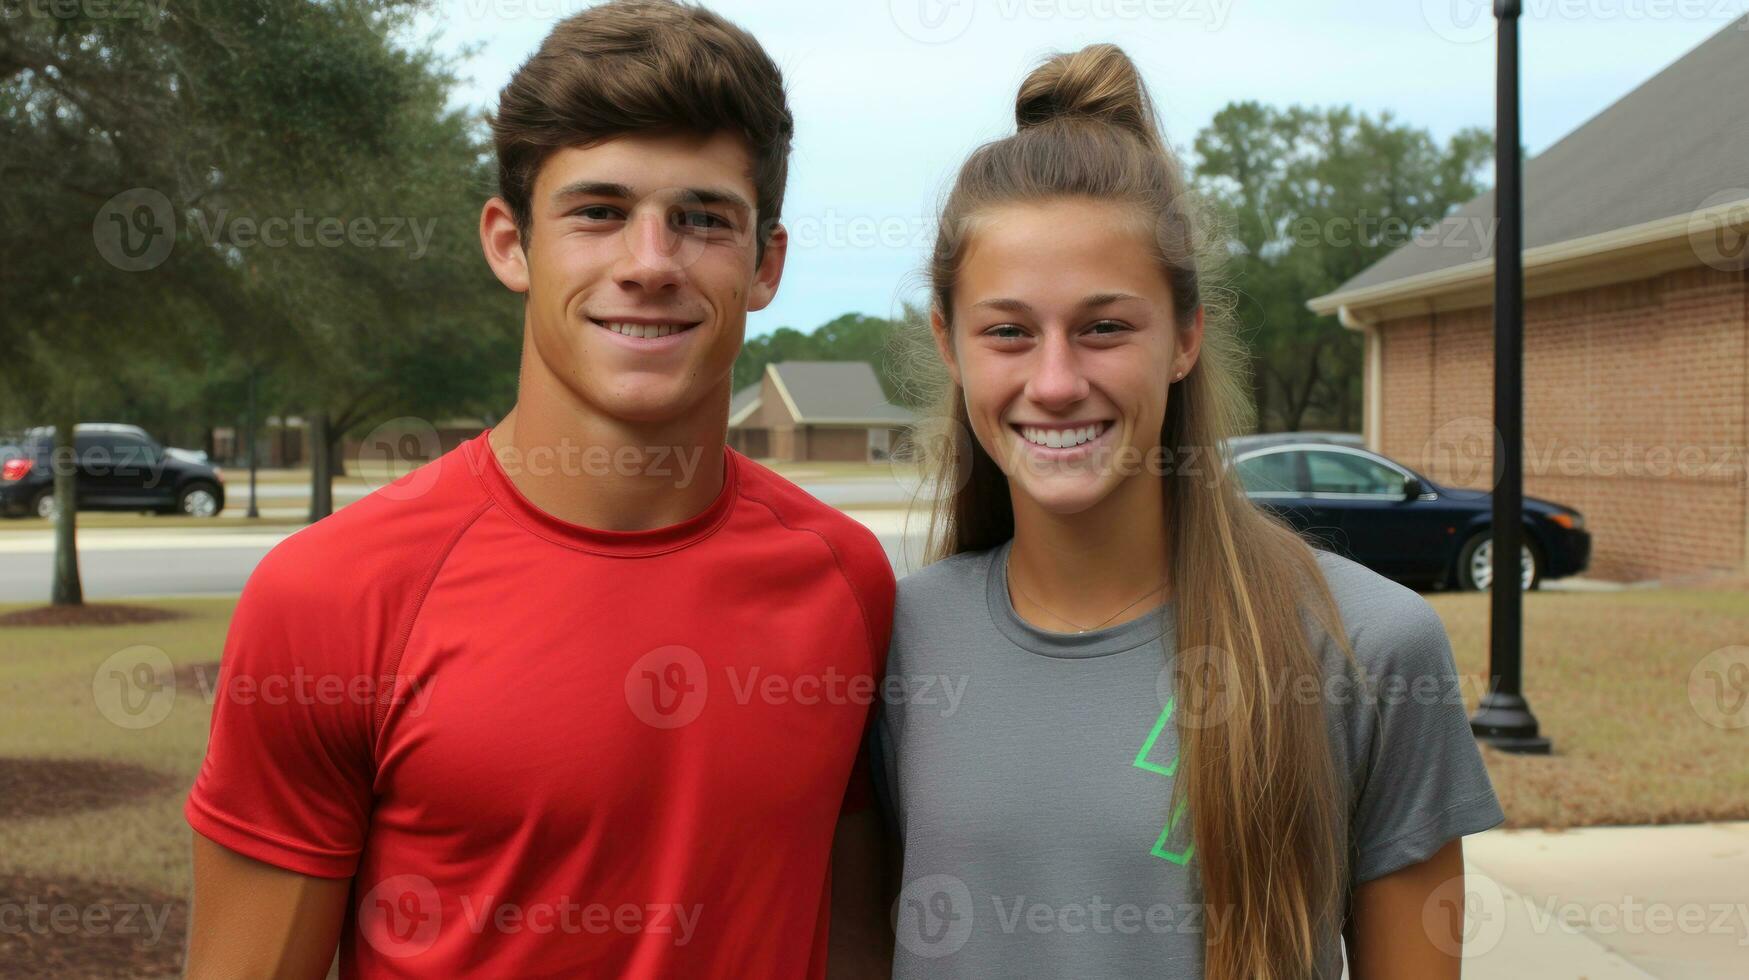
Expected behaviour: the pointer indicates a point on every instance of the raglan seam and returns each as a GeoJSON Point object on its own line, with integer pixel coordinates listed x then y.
{"type": "Point", "coordinates": [837, 560]}
{"type": "Point", "coordinates": [392, 664]}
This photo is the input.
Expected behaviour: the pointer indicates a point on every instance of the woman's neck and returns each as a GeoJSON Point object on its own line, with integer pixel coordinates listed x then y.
{"type": "Point", "coordinates": [1071, 571]}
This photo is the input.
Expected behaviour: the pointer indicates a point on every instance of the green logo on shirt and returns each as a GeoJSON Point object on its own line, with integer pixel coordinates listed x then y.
{"type": "Point", "coordinates": [1160, 849]}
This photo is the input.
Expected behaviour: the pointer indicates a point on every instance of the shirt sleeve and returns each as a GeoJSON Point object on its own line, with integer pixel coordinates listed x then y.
{"type": "Point", "coordinates": [1420, 779]}
{"type": "Point", "coordinates": [872, 577]}
{"type": "Point", "coordinates": [288, 773]}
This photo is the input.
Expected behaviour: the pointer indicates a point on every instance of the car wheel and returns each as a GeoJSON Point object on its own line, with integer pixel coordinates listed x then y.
{"type": "Point", "coordinates": [1475, 570]}
{"type": "Point", "coordinates": [198, 500]}
{"type": "Point", "coordinates": [43, 504]}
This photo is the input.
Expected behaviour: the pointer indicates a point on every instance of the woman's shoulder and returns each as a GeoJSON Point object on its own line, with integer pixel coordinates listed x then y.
{"type": "Point", "coordinates": [947, 579]}
{"type": "Point", "coordinates": [1391, 628]}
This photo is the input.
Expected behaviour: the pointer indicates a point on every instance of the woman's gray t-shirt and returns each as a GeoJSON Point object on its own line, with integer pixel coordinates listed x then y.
{"type": "Point", "coordinates": [1027, 774]}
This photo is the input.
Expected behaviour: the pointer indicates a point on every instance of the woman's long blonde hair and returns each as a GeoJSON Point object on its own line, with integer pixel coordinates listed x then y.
{"type": "Point", "coordinates": [1269, 827]}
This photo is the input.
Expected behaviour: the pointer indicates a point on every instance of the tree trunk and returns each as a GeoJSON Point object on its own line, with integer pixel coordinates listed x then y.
{"type": "Point", "coordinates": [321, 473]}
{"type": "Point", "coordinates": [66, 590]}
{"type": "Point", "coordinates": [249, 448]}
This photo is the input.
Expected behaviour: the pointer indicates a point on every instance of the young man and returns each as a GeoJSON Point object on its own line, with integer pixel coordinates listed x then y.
{"type": "Point", "coordinates": [584, 696]}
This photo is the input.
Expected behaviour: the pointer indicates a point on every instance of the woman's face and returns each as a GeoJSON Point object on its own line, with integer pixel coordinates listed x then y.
{"type": "Point", "coordinates": [1064, 343]}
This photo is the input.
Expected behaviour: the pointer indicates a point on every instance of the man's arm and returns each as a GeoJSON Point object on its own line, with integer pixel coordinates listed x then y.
{"type": "Point", "coordinates": [255, 920]}
{"type": "Point", "coordinates": [1390, 933]}
{"type": "Point", "coordinates": [861, 944]}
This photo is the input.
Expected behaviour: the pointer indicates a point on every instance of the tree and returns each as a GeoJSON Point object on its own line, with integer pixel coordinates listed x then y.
{"type": "Point", "coordinates": [145, 164]}
{"type": "Point", "coordinates": [1311, 197]}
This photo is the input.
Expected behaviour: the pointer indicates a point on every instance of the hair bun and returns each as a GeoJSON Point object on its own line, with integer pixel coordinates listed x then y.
{"type": "Point", "coordinates": [1098, 82]}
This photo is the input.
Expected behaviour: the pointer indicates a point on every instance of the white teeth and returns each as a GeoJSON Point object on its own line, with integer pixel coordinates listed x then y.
{"type": "Point", "coordinates": [645, 330]}
{"type": "Point", "coordinates": [1061, 438]}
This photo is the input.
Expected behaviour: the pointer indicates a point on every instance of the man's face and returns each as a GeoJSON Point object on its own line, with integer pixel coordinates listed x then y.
{"type": "Point", "coordinates": [641, 268]}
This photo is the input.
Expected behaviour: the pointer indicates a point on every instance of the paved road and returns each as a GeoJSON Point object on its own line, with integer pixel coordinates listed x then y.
{"type": "Point", "coordinates": [116, 564]}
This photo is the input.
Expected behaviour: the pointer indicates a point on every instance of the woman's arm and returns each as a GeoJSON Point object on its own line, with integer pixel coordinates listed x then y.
{"type": "Point", "coordinates": [1410, 923]}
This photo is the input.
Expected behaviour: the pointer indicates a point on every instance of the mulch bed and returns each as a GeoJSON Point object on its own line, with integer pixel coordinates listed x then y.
{"type": "Point", "coordinates": [67, 927]}
{"type": "Point", "coordinates": [32, 788]}
{"type": "Point", "coordinates": [88, 614]}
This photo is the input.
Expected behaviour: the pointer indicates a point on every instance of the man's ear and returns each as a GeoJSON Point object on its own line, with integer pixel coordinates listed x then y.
{"type": "Point", "coordinates": [502, 243]}
{"type": "Point", "coordinates": [770, 271]}
{"type": "Point", "coordinates": [939, 329]}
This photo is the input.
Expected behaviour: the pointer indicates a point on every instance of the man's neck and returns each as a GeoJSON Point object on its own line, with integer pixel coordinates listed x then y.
{"type": "Point", "coordinates": [610, 475]}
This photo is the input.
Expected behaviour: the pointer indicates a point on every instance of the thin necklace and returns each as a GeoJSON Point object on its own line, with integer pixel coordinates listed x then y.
{"type": "Point", "coordinates": [1078, 628]}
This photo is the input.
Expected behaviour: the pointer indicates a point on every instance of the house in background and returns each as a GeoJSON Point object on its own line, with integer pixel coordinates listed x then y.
{"type": "Point", "coordinates": [812, 411]}
{"type": "Point", "coordinates": [1636, 326]}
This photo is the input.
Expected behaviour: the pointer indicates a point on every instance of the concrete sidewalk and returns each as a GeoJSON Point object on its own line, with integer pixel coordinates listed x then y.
{"type": "Point", "coordinates": [1608, 903]}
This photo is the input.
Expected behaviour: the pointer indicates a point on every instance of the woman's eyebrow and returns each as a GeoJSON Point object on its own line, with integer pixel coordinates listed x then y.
{"type": "Point", "coordinates": [1009, 305]}
{"type": "Point", "coordinates": [1106, 299]}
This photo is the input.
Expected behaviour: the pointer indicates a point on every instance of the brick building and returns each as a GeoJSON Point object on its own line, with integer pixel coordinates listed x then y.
{"type": "Point", "coordinates": [1636, 329]}
{"type": "Point", "coordinates": [814, 411]}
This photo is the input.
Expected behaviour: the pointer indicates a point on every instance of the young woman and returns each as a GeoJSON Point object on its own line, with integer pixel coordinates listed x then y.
{"type": "Point", "coordinates": [1185, 744]}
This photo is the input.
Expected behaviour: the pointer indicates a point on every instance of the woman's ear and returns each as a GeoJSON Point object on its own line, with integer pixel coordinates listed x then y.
{"type": "Point", "coordinates": [942, 332]}
{"type": "Point", "coordinates": [1189, 346]}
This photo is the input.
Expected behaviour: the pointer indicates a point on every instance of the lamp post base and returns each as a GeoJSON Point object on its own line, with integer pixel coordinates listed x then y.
{"type": "Point", "coordinates": [1505, 722]}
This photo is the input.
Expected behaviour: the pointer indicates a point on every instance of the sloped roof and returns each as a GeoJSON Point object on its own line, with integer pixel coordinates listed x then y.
{"type": "Point", "coordinates": [835, 391]}
{"type": "Point", "coordinates": [1678, 142]}
{"type": "Point", "coordinates": [743, 403]}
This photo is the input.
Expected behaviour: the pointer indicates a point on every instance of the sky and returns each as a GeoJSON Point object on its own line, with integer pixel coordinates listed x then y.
{"type": "Point", "coordinates": [889, 96]}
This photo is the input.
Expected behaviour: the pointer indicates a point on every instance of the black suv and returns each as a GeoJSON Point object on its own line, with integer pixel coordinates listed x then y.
{"type": "Point", "coordinates": [120, 467]}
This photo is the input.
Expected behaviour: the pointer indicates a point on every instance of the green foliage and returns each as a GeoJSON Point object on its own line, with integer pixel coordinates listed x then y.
{"type": "Point", "coordinates": [1312, 197]}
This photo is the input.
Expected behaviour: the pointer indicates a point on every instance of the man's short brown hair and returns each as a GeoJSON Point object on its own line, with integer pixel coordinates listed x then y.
{"type": "Point", "coordinates": [643, 66]}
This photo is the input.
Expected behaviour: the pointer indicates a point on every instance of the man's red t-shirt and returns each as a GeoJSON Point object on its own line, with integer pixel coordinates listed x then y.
{"type": "Point", "coordinates": [541, 749]}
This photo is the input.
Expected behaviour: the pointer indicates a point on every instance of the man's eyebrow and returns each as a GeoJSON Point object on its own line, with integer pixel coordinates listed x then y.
{"type": "Point", "coordinates": [593, 188]}
{"type": "Point", "coordinates": [621, 192]}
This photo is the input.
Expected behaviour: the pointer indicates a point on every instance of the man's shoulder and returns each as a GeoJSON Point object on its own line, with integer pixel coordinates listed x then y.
{"type": "Point", "coordinates": [382, 544]}
{"type": "Point", "coordinates": [799, 510]}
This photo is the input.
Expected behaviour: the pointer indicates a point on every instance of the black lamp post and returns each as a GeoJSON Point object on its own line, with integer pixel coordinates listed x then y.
{"type": "Point", "coordinates": [1504, 719]}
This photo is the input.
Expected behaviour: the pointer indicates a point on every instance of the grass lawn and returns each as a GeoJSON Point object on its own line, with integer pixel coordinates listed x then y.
{"type": "Point", "coordinates": [53, 698]}
{"type": "Point", "coordinates": [1608, 674]}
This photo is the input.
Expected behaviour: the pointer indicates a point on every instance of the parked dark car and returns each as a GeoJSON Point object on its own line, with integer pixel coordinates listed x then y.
{"type": "Point", "coordinates": [120, 467]}
{"type": "Point", "coordinates": [1398, 522]}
